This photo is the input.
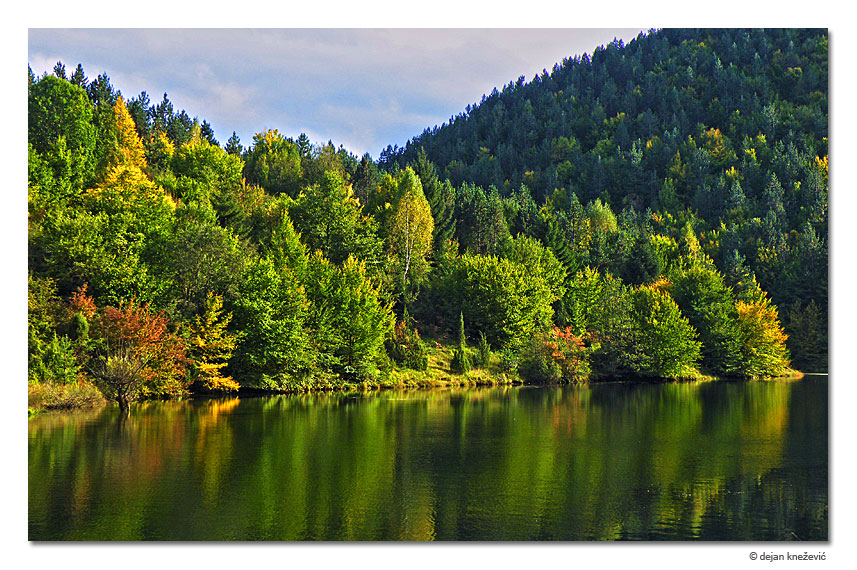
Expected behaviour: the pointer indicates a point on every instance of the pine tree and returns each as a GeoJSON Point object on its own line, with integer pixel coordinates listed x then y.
{"type": "Point", "coordinates": [233, 145]}
{"type": "Point", "coordinates": [555, 240]}
{"type": "Point", "coordinates": [207, 133]}
{"type": "Point", "coordinates": [78, 78]}
{"type": "Point", "coordinates": [59, 70]}
{"type": "Point", "coordinates": [440, 196]}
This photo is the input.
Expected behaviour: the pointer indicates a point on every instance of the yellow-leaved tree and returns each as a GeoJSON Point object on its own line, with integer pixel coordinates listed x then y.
{"type": "Point", "coordinates": [125, 150]}
{"type": "Point", "coordinates": [409, 234]}
{"type": "Point", "coordinates": [210, 346]}
{"type": "Point", "coordinates": [763, 342]}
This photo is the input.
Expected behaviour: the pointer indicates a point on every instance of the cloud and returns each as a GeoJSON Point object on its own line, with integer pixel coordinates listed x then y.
{"type": "Point", "coordinates": [362, 88]}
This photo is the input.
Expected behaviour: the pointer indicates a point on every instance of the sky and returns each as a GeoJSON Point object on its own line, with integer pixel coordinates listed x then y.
{"type": "Point", "coordinates": [360, 88]}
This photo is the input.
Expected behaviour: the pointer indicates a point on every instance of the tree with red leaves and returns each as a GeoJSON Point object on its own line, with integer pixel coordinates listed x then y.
{"type": "Point", "coordinates": [138, 355]}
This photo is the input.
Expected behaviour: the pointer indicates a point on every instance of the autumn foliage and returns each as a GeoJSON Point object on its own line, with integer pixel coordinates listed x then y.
{"type": "Point", "coordinates": [137, 331]}
{"type": "Point", "coordinates": [406, 348]}
{"type": "Point", "coordinates": [210, 347]}
{"type": "Point", "coordinates": [81, 302]}
{"type": "Point", "coordinates": [763, 342]}
{"type": "Point", "coordinates": [557, 355]}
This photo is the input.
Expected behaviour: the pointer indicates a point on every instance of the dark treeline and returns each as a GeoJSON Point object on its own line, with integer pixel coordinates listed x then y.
{"type": "Point", "coordinates": [627, 230]}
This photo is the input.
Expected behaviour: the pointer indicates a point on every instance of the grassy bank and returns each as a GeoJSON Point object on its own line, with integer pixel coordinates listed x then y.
{"type": "Point", "coordinates": [49, 396]}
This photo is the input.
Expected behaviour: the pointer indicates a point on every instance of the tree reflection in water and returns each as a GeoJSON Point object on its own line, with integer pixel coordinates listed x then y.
{"type": "Point", "coordinates": [709, 461]}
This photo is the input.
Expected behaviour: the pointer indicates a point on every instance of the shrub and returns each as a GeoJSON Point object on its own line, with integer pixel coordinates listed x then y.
{"type": "Point", "coordinates": [78, 394]}
{"type": "Point", "coordinates": [483, 356]}
{"type": "Point", "coordinates": [406, 348]}
{"type": "Point", "coordinates": [556, 355]}
{"type": "Point", "coordinates": [54, 362]}
{"type": "Point", "coordinates": [509, 361]}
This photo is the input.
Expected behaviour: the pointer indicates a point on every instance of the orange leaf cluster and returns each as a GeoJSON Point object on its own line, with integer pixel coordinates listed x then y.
{"type": "Point", "coordinates": [147, 334]}
{"type": "Point", "coordinates": [567, 351]}
{"type": "Point", "coordinates": [82, 303]}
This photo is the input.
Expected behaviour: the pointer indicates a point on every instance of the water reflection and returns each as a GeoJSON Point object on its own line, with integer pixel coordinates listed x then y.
{"type": "Point", "coordinates": [711, 461]}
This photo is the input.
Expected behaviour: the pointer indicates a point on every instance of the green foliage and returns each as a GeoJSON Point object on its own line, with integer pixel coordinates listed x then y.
{"type": "Point", "coordinates": [483, 352]}
{"type": "Point", "coordinates": [583, 296]}
{"type": "Point", "coordinates": [99, 248]}
{"type": "Point", "coordinates": [350, 320]}
{"type": "Point", "coordinates": [60, 129]}
{"type": "Point", "coordinates": [194, 257]}
{"type": "Point", "coordinates": [54, 362]}
{"type": "Point", "coordinates": [329, 219]}
{"type": "Point", "coordinates": [233, 145]}
{"type": "Point", "coordinates": [480, 226]}
{"type": "Point", "coordinates": [667, 342]}
{"type": "Point", "coordinates": [42, 308]}
{"type": "Point", "coordinates": [79, 328]}
{"type": "Point", "coordinates": [271, 311]}
{"type": "Point", "coordinates": [556, 241]}
{"type": "Point", "coordinates": [274, 163]}
{"type": "Point", "coordinates": [460, 362]}
{"type": "Point", "coordinates": [807, 336]}
{"type": "Point", "coordinates": [709, 305]}
{"type": "Point", "coordinates": [601, 217]}
{"type": "Point", "coordinates": [504, 299]}
{"type": "Point", "coordinates": [319, 161]}
{"type": "Point", "coordinates": [541, 262]}
{"type": "Point", "coordinates": [207, 173]}
{"type": "Point", "coordinates": [607, 308]}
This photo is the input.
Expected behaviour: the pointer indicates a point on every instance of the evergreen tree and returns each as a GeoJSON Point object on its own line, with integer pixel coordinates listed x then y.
{"type": "Point", "coordinates": [233, 145]}
{"type": "Point", "coordinates": [78, 78]}
{"type": "Point", "coordinates": [483, 355]}
{"type": "Point", "coordinates": [440, 196]}
{"type": "Point", "coordinates": [460, 359]}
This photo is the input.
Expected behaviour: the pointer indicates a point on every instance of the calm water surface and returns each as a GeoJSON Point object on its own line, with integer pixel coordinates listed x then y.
{"type": "Point", "coordinates": [709, 461]}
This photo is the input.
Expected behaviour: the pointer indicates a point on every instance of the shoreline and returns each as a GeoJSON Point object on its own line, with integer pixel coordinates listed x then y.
{"type": "Point", "coordinates": [463, 383]}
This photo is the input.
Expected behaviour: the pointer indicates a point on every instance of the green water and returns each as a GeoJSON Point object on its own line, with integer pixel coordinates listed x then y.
{"type": "Point", "coordinates": [709, 461]}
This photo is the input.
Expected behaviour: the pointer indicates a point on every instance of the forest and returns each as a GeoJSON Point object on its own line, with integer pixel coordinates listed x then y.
{"type": "Point", "coordinates": [655, 210]}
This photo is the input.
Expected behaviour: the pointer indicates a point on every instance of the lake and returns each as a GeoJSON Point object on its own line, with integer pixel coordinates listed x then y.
{"type": "Point", "coordinates": [612, 461]}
